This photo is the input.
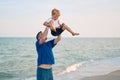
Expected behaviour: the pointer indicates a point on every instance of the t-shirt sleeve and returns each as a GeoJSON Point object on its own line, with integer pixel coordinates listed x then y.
{"type": "Point", "coordinates": [51, 43]}
{"type": "Point", "coordinates": [48, 20]}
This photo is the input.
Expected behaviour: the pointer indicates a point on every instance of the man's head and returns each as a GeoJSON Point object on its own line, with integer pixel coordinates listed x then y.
{"type": "Point", "coordinates": [39, 35]}
{"type": "Point", "coordinates": [55, 13]}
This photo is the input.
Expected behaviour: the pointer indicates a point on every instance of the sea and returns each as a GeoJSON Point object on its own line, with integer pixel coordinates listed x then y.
{"type": "Point", "coordinates": [75, 58]}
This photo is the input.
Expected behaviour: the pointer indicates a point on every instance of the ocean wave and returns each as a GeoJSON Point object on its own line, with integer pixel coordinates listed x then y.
{"type": "Point", "coordinates": [71, 68]}
{"type": "Point", "coordinates": [89, 68]}
{"type": "Point", "coordinates": [4, 75]}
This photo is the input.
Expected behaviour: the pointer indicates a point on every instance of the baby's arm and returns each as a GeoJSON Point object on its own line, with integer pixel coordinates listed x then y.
{"type": "Point", "coordinates": [59, 22]}
{"type": "Point", "coordinates": [52, 26]}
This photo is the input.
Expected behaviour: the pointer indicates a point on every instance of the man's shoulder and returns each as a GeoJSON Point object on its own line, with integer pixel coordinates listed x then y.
{"type": "Point", "coordinates": [50, 40]}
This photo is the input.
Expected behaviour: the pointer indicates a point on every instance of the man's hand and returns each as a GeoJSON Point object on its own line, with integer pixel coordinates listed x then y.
{"type": "Point", "coordinates": [46, 24]}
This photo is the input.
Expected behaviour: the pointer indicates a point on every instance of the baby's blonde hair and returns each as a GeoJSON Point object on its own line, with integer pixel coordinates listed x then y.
{"type": "Point", "coordinates": [55, 12]}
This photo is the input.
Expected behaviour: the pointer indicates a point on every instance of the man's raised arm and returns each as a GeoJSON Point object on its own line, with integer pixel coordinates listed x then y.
{"type": "Point", "coordinates": [44, 35]}
{"type": "Point", "coordinates": [57, 39]}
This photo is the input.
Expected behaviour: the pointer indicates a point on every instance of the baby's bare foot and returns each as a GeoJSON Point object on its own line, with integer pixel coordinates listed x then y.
{"type": "Point", "coordinates": [75, 34]}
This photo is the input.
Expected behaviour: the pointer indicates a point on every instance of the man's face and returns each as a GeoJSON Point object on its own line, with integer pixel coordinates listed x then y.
{"type": "Point", "coordinates": [40, 35]}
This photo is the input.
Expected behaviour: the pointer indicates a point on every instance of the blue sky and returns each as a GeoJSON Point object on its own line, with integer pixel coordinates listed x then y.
{"type": "Point", "coordinates": [91, 18]}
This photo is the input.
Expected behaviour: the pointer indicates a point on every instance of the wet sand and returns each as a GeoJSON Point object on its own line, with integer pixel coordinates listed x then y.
{"type": "Point", "coordinates": [111, 76]}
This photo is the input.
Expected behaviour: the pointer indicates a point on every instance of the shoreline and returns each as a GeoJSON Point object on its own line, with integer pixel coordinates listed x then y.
{"type": "Point", "coordinates": [115, 75]}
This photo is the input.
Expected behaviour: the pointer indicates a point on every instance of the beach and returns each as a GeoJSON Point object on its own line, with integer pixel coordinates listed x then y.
{"type": "Point", "coordinates": [115, 75]}
{"type": "Point", "coordinates": [75, 58]}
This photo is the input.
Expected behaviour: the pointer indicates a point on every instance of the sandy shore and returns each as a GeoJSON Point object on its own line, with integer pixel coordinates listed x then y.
{"type": "Point", "coordinates": [111, 76]}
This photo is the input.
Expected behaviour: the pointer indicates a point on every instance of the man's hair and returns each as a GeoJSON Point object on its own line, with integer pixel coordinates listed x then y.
{"type": "Point", "coordinates": [55, 12]}
{"type": "Point", "coordinates": [38, 34]}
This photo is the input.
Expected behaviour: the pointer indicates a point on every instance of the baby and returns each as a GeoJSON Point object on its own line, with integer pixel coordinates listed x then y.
{"type": "Point", "coordinates": [55, 26]}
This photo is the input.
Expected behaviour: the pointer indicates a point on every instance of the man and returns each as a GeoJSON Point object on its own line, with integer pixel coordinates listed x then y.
{"type": "Point", "coordinates": [45, 55]}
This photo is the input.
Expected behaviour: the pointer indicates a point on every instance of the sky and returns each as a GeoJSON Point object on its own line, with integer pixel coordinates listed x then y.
{"type": "Point", "coordinates": [91, 18]}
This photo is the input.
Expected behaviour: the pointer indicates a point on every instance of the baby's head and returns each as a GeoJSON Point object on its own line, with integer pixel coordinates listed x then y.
{"type": "Point", "coordinates": [55, 13]}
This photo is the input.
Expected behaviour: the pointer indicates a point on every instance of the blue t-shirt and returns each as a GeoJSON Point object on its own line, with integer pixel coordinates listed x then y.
{"type": "Point", "coordinates": [45, 53]}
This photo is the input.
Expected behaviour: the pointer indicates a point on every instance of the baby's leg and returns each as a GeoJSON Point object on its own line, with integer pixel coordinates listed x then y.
{"type": "Point", "coordinates": [69, 29]}
{"type": "Point", "coordinates": [52, 26]}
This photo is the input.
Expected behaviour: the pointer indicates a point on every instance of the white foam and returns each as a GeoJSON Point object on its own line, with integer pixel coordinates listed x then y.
{"type": "Point", "coordinates": [90, 68]}
{"type": "Point", "coordinates": [71, 68]}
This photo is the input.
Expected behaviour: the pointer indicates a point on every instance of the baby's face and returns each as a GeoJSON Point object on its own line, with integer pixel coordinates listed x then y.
{"type": "Point", "coordinates": [56, 17]}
